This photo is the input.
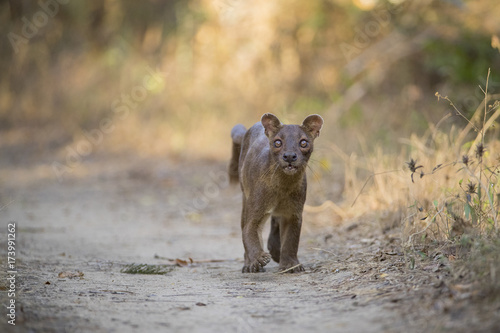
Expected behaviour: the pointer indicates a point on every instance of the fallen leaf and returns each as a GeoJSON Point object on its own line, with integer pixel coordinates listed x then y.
{"type": "Point", "coordinates": [70, 275]}
{"type": "Point", "coordinates": [433, 268]}
{"type": "Point", "coordinates": [462, 287]}
{"type": "Point", "coordinates": [180, 262]}
{"type": "Point", "coordinates": [367, 240]}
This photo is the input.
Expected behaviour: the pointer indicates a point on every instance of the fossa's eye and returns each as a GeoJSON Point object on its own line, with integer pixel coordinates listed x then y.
{"type": "Point", "coordinates": [304, 143]}
{"type": "Point", "coordinates": [278, 143]}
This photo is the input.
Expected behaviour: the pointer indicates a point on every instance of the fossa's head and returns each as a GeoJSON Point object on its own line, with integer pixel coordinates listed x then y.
{"type": "Point", "coordinates": [291, 145]}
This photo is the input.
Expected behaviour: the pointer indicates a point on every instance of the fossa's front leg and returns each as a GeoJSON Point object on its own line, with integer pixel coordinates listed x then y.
{"type": "Point", "coordinates": [255, 256]}
{"type": "Point", "coordinates": [290, 236]}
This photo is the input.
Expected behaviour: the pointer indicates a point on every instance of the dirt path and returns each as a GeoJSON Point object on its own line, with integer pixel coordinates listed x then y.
{"type": "Point", "coordinates": [355, 279]}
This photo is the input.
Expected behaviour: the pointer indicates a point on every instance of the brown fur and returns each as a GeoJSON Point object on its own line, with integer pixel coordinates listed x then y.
{"type": "Point", "coordinates": [273, 181]}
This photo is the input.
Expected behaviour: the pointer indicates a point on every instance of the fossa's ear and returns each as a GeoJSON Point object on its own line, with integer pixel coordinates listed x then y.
{"type": "Point", "coordinates": [271, 123]}
{"type": "Point", "coordinates": [313, 124]}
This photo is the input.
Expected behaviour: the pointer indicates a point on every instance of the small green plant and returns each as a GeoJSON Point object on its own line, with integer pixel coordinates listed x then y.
{"type": "Point", "coordinates": [147, 269]}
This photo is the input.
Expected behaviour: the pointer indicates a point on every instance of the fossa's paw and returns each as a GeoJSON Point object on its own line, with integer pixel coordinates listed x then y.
{"type": "Point", "coordinates": [258, 264]}
{"type": "Point", "coordinates": [292, 267]}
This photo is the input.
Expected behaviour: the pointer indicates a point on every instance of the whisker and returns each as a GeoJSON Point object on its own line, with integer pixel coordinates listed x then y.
{"type": "Point", "coordinates": [323, 164]}
{"type": "Point", "coordinates": [267, 172]}
{"type": "Point", "coordinates": [276, 168]}
{"type": "Point", "coordinates": [264, 174]}
{"type": "Point", "coordinates": [314, 173]}
{"type": "Point", "coordinates": [317, 178]}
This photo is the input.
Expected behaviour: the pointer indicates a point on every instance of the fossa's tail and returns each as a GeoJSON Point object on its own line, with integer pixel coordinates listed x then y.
{"type": "Point", "coordinates": [237, 134]}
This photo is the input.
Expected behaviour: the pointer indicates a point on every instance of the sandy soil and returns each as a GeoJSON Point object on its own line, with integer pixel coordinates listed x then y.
{"type": "Point", "coordinates": [107, 215]}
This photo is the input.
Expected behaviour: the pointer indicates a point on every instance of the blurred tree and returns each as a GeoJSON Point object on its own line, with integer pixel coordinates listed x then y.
{"type": "Point", "coordinates": [72, 59]}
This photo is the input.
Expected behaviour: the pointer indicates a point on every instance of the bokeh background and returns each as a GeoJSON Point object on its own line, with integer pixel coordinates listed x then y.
{"type": "Point", "coordinates": [83, 80]}
{"type": "Point", "coordinates": [115, 121]}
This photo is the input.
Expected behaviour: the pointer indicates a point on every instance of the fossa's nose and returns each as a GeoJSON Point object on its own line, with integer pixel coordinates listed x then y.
{"type": "Point", "coordinates": [290, 157]}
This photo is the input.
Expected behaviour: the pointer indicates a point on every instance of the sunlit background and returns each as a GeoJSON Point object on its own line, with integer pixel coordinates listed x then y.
{"type": "Point", "coordinates": [83, 80]}
{"type": "Point", "coordinates": [115, 121]}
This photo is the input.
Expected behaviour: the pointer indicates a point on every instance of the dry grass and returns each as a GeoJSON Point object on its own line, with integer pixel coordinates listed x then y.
{"type": "Point", "coordinates": [447, 179]}
{"type": "Point", "coordinates": [441, 191]}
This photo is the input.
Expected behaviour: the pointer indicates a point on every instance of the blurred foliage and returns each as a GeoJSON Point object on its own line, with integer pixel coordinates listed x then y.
{"type": "Point", "coordinates": [368, 67]}
{"type": "Point", "coordinates": [461, 61]}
